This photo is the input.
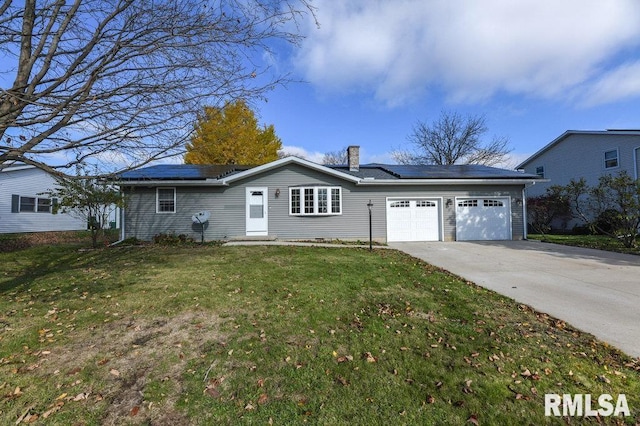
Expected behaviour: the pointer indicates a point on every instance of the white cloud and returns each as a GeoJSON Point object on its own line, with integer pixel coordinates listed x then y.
{"type": "Point", "coordinates": [317, 157]}
{"type": "Point", "coordinates": [301, 152]}
{"type": "Point", "coordinates": [470, 50]}
{"type": "Point", "coordinates": [620, 83]}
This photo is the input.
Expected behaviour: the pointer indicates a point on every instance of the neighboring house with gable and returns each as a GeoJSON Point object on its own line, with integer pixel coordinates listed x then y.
{"type": "Point", "coordinates": [23, 208]}
{"type": "Point", "coordinates": [295, 199]}
{"type": "Point", "coordinates": [584, 154]}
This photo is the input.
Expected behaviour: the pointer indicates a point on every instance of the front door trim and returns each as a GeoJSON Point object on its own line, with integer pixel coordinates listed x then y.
{"type": "Point", "coordinates": [257, 211]}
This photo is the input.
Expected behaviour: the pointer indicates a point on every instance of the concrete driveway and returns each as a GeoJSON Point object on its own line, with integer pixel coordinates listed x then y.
{"type": "Point", "coordinates": [595, 291]}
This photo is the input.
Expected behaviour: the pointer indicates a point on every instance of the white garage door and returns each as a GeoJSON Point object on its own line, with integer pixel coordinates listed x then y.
{"type": "Point", "coordinates": [483, 219]}
{"type": "Point", "coordinates": [413, 220]}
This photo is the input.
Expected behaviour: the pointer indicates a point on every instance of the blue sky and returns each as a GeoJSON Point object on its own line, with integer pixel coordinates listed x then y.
{"type": "Point", "coordinates": [534, 68]}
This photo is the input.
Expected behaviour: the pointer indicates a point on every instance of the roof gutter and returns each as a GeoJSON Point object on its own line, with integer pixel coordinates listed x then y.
{"type": "Point", "coordinates": [171, 182]}
{"type": "Point", "coordinates": [412, 182]}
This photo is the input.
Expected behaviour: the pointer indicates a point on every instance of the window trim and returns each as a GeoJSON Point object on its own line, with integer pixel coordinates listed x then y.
{"type": "Point", "coordinates": [540, 171]}
{"type": "Point", "coordinates": [302, 201]}
{"type": "Point", "coordinates": [38, 204]}
{"type": "Point", "coordinates": [158, 211]}
{"type": "Point", "coordinates": [22, 205]}
{"type": "Point", "coordinates": [604, 159]}
{"type": "Point", "coordinates": [47, 203]}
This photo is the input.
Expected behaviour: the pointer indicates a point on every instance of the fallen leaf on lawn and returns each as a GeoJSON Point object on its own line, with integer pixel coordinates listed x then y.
{"type": "Point", "coordinates": [53, 409]}
{"type": "Point", "coordinates": [134, 411]}
{"type": "Point", "coordinates": [263, 399]}
{"type": "Point", "coordinates": [81, 396]}
{"type": "Point", "coordinates": [369, 357]}
{"type": "Point", "coordinates": [249, 407]}
{"type": "Point", "coordinates": [260, 383]}
{"type": "Point", "coordinates": [114, 372]}
{"type": "Point", "coordinates": [212, 391]}
{"type": "Point", "coordinates": [74, 371]}
{"type": "Point", "coordinates": [31, 418]}
{"type": "Point", "coordinates": [342, 381]}
{"type": "Point", "coordinates": [344, 358]}
{"type": "Point", "coordinates": [473, 419]}
{"type": "Point", "coordinates": [526, 373]}
{"type": "Point", "coordinates": [24, 415]}
{"type": "Point", "coordinates": [430, 399]}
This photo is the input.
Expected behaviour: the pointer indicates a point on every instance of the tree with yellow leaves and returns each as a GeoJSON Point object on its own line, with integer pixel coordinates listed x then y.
{"type": "Point", "coordinates": [231, 135]}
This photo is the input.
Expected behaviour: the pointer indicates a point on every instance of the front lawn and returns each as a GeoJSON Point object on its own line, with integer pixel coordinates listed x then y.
{"type": "Point", "coordinates": [282, 335]}
{"type": "Point", "coordinates": [600, 242]}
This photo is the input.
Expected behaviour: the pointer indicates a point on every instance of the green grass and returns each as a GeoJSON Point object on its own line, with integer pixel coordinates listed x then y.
{"type": "Point", "coordinates": [600, 242]}
{"type": "Point", "coordinates": [222, 335]}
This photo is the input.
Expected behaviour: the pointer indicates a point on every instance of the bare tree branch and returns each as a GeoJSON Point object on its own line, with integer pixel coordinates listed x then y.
{"type": "Point", "coordinates": [336, 158]}
{"type": "Point", "coordinates": [126, 78]}
{"type": "Point", "coordinates": [453, 139]}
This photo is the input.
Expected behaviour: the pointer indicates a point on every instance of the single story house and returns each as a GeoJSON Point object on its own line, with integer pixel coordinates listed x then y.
{"type": "Point", "coordinates": [23, 208]}
{"type": "Point", "coordinates": [584, 154]}
{"type": "Point", "coordinates": [295, 199]}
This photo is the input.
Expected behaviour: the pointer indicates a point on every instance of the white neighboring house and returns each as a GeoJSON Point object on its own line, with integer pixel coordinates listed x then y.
{"type": "Point", "coordinates": [23, 208]}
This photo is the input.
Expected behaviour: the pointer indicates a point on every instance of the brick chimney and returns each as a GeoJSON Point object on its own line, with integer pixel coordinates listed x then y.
{"type": "Point", "coordinates": [353, 156]}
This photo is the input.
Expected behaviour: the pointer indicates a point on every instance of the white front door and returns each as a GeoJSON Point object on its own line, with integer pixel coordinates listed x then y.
{"type": "Point", "coordinates": [257, 211]}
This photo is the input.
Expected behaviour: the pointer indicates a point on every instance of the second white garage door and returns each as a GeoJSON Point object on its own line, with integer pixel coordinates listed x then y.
{"type": "Point", "coordinates": [483, 219]}
{"type": "Point", "coordinates": [413, 219]}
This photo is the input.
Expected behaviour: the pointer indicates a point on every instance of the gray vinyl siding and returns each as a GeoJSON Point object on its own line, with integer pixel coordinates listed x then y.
{"type": "Point", "coordinates": [227, 207]}
{"type": "Point", "coordinates": [30, 182]}
{"type": "Point", "coordinates": [582, 155]}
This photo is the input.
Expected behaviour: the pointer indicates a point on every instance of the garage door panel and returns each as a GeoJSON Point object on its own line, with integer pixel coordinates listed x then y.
{"type": "Point", "coordinates": [413, 220]}
{"type": "Point", "coordinates": [483, 219]}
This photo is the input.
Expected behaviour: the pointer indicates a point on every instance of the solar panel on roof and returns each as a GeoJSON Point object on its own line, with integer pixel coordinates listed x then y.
{"type": "Point", "coordinates": [456, 171]}
{"type": "Point", "coordinates": [181, 171]}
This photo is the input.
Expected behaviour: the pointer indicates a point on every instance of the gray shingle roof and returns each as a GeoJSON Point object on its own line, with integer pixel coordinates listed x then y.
{"type": "Point", "coordinates": [375, 171]}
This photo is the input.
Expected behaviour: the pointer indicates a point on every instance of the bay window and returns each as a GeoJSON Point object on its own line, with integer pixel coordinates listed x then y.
{"type": "Point", "coordinates": [315, 200]}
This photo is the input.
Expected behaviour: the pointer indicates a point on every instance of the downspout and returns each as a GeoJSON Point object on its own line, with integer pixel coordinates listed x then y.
{"type": "Point", "coordinates": [121, 214]}
{"type": "Point", "coordinates": [524, 212]}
